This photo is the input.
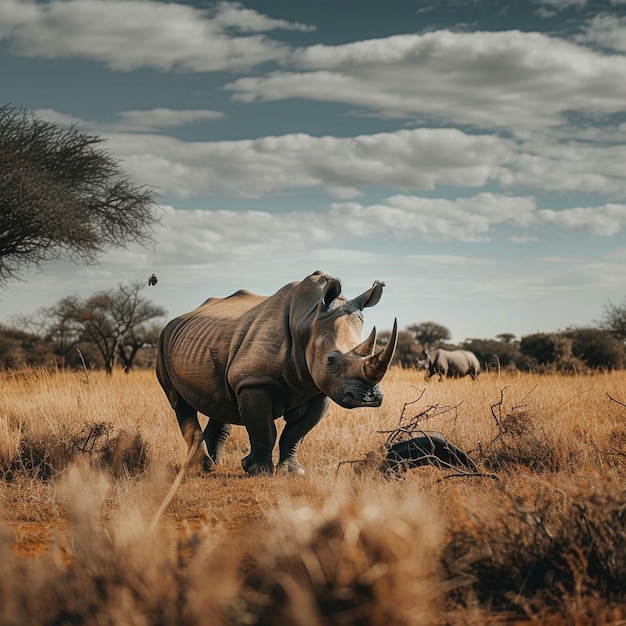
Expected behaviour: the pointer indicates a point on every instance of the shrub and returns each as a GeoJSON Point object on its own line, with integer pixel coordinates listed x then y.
{"type": "Point", "coordinates": [533, 546]}
{"type": "Point", "coordinates": [597, 348]}
{"type": "Point", "coordinates": [546, 348]}
{"type": "Point", "coordinates": [20, 349]}
{"type": "Point", "coordinates": [494, 354]}
{"type": "Point", "coordinates": [45, 455]}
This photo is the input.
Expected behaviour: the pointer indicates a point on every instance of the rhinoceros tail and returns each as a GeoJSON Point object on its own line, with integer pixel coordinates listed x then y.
{"type": "Point", "coordinates": [174, 488]}
{"type": "Point", "coordinates": [172, 395]}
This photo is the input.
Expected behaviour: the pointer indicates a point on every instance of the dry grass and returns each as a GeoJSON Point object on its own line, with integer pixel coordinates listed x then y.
{"type": "Point", "coordinates": [85, 461]}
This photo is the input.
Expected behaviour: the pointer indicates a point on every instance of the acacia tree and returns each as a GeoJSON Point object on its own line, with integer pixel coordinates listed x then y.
{"type": "Point", "coordinates": [614, 320]}
{"type": "Point", "coordinates": [136, 338]}
{"type": "Point", "coordinates": [429, 334]}
{"type": "Point", "coordinates": [118, 322]}
{"type": "Point", "coordinates": [135, 317]}
{"type": "Point", "coordinates": [62, 195]}
{"type": "Point", "coordinates": [506, 337]}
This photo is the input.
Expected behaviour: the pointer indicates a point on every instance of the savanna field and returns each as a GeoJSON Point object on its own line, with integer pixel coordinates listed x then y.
{"type": "Point", "coordinates": [536, 536]}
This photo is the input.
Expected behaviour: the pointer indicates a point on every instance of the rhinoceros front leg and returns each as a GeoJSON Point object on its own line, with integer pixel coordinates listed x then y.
{"type": "Point", "coordinates": [256, 411]}
{"type": "Point", "coordinates": [299, 422]}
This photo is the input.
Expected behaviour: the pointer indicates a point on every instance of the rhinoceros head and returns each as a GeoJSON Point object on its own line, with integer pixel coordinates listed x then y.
{"type": "Point", "coordinates": [343, 367]}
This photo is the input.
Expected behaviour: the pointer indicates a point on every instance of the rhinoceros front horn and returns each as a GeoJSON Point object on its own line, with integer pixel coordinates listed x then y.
{"type": "Point", "coordinates": [375, 366]}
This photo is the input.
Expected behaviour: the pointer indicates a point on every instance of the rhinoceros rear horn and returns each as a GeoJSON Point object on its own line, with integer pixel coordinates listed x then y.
{"type": "Point", "coordinates": [375, 366]}
{"type": "Point", "coordinates": [367, 347]}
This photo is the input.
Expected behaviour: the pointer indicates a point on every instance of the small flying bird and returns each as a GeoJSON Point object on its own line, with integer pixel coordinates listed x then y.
{"type": "Point", "coordinates": [152, 280]}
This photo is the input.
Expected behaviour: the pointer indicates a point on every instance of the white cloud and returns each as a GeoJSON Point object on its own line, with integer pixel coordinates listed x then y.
{"type": "Point", "coordinates": [210, 235]}
{"type": "Point", "coordinates": [141, 33]}
{"type": "Point", "coordinates": [470, 219]}
{"type": "Point", "coordinates": [607, 220]}
{"type": "Point", "coordinates": [148, 120]}
{"type": "Point", "coordinates": [14, 13]}
{"type": "Point", "coordinates": [549, 8]}
{"type": "Point", "coordinates": [485, 79]}
{"type": "Point", "coordinates": [407, 159]}
{"type": "Point", "coordinates": [562, 4]}
{"type": "Point", "coordinates": [435, 219]}
{"type": "Point", "coordinates": [524, 239]}
{"type": "Point", "coordinates": [63, 119]}
{"type": "Point", "coordinates": [563, 166]}
{"type": "Point", "coordinates": [216, 247]}
{"type": "Point", "coordinates": [235, 15]}
{"type": "Point", "coordinates": [162, 118]}
{"type": "Point", "coordinates": [607, 31]}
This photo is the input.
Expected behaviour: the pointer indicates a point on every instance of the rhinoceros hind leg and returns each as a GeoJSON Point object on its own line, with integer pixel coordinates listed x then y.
{"type": "Point", "coordinates": [192, 433]}
{"type": "Point", "coordinates": [215, 436]}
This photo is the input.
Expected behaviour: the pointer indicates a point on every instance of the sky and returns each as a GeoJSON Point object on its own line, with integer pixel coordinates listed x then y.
{"type": "Point", "coordinates": [471, 154]}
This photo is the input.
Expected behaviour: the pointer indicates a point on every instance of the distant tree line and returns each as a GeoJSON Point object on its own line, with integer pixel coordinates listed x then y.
{"type": "Point", "coordinates": [575, 349]}
{"type": "Point", "coordinates": [120, 328]}
{"type": "Point", "coordinates": [115, 327]}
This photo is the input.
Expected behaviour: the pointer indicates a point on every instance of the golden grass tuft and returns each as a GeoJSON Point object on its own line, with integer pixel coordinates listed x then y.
{"type": "Point", "coordinates": [348, 562]}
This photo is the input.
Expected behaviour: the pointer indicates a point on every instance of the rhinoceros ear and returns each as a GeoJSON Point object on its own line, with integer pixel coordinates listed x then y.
{"type": "Point", "coordinates": [332, 289]}
{"type": "Point", "coordinates": [369, 297]}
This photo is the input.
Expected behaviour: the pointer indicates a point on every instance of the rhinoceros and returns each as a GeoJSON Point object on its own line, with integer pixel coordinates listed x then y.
{"type": "Point", "coordinates": [452, 363]}
{"type": "Point", "coordinates": [250, 359]}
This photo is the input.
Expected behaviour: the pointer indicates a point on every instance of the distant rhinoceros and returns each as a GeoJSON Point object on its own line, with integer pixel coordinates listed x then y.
{"type": "Point", "coordinates": [249, 359]}
{"type": "Point", "coordinates": [452, 363]}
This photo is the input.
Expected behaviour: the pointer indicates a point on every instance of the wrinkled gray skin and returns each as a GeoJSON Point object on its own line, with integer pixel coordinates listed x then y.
{"type": "Point", "coordinates": [249, 359]}
{"type": "Point", "coordinates": [452, 364]}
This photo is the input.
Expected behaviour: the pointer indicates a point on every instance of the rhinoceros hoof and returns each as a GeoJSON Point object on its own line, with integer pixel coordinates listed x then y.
{"type": "Point", "coordinates": [260, 469]}
{"type": "Point", "coordinates": [291, 467]}
{"type": "Point", "coordinates": [207, 464]}
{"type": "Point", "coordinates": [254, 468]}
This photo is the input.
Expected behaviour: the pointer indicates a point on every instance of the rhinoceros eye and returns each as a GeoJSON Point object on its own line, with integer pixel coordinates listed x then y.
{"type": "Point", "coordinates": [332, 362]}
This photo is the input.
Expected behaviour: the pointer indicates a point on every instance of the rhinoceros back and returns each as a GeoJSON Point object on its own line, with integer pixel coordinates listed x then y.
{"type": "Point", "coordinates": [453, 363]}
{"type": "Point", "coordinates": [194, 352]}
{"type": "Point", "coordinates": [474, 363]}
